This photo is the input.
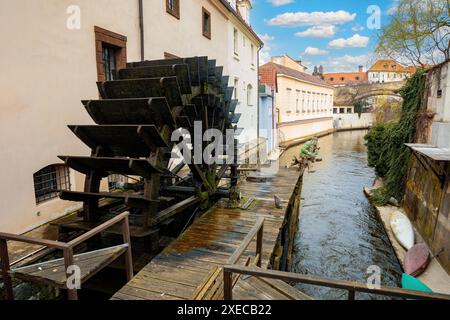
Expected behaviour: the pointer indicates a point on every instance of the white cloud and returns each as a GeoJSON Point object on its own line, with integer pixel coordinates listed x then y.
{"type": "Point", "coordinates": [357, 28]}
{"type": "Point", "coordinates": [355, 41]}
{"type": "Point", "coordinates": [318, 32]}
{"type": "Point", "coordinates": [279, 3]}
{"type": "Point", "coordinates": [393, 8]}
{"type": "Point", "coordinates": [264, 54]}
{"type": "Point", "coordinates": [346, 63]}
{"type": "Point", "coordinates": [319, 18]}
{"type": "Point", "coordinates": [311, 51]}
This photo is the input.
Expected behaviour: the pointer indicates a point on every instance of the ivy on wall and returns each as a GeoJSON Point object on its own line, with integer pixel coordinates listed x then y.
{"type": "Point", "coordinates": [387, 152]}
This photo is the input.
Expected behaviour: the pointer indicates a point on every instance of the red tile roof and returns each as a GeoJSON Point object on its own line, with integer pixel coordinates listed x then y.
{"type": "Point", "coordinates": [390, 66]}
{"type": "Point", "coordinates": [346, 78]}
{"type": "Point", "coordinates": [270, 70]}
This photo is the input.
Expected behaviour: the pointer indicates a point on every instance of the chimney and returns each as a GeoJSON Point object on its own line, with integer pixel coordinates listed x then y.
{"type": "Point", "coordinates": [244, 7]}
{"type": "Point", "coordinates": [360, 68]}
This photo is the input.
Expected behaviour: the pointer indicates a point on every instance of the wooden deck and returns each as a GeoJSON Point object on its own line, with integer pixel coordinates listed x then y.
{"type": "Point", "coordinates": [189, 261]}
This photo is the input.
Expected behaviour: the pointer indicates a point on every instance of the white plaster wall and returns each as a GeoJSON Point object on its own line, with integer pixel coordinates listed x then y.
{"type": "Point", "coordinates": [183, 37]}
{"type": "Point", "coordinates": [297, 130]}
{"type": "Point", "coordinates": [352, 120]}
{"type": "Point", "coordinates": [243, 67]}
{"type": "Point", "coordinates": [284, 104]}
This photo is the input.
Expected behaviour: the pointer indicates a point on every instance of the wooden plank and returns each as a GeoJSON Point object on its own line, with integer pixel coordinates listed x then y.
{"type": "Point", "coordinates": [54, 272]}
{"type": "Point", "coordinates": [149, 111]}
{"type": "Point", "coordinates": [108, 165]}
{"type": "Point", "coordinates": [173, 210]}
{"type": "Point", "coordinates": [129, 199]}
{"type": "Point", "coordinates": [121, 140]}
{"type": "Point", "coordinates": [286, 289]}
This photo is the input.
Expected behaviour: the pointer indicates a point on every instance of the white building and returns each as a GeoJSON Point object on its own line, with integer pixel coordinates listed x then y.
{"type": "Point", "coordinates": [56, 52]}
{"type": "Point", "coordinates": [389, 71]}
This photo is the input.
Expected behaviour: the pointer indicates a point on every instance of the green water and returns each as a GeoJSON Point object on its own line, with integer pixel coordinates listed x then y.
{"type": "Point", "coordinates": [339, 234]}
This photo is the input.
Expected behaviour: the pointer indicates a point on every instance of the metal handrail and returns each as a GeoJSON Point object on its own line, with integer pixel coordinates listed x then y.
{"type": "Point", "coordinates": [67, 249]}
{"type": "Point", "coordinates": [351, 286]}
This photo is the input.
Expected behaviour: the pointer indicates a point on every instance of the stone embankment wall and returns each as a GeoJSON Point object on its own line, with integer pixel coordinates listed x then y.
{"type": "Point", "coordinates": [427, 194]}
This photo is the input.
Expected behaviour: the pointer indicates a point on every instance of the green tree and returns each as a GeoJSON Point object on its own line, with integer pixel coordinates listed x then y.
{"type": "Point", "coordinates": [419, 31]}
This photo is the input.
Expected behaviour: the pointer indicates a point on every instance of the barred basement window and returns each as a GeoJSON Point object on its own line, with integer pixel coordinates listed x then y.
{"type": "Point", "coordinates": [49, 180]}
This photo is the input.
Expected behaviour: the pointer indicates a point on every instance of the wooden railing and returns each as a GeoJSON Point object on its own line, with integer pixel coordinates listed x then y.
{"type": "Point", "coordinates": [66, 248]}
{"type": "Point", "coordinates": [351, 286]}
{"type": "Point", "coordinates": [212, 286]}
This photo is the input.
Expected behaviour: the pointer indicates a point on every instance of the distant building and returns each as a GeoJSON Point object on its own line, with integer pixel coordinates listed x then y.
{"type": "Point", "coordinates": [304, 102]}
{"type": "Point", "coordinates": [339, 79]}
{"type": "Point", "coordinates": [389, 71]}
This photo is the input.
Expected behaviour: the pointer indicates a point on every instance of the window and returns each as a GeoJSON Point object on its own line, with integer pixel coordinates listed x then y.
{"type": "Point", "coordinates": [249, 95]}
{"type": "Point", "coordinates": [206, 23]}
{"type": "Point", "coordinates": [288, 100]}
{"type": "Point", "coordinates": [297, 110]}
{"type": "Point", "coordinates": [349, 110]}
{"type": "Point", "coordinates": [236, 84]}
{"type": "Point", "coordinates": [111, 53]}
{"type": "Point", "coordinates": [303, 101]}
{"type": "Point", "coordinates": [49, 180]}
{"type": "Point", "coordinates": [173, 8]}
{"type": "Point", "coordinates": [331, 79]}
{"type": "Point", "coordinates": [357, 78]}
{"type": "Point", "coordinates": [236, 41]}
{"type": "Point", "coordinates": [109, 61]}
{"type": "Point", "coordinates": [335, 110]}
{"type": "Point", "coordinates": [252, 52]}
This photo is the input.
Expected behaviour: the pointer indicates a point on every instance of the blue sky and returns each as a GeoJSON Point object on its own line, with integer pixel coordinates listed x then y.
{"type": "Point", "coordinates": [333, 33]}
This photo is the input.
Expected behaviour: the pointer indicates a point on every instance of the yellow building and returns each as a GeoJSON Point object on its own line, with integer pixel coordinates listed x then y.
{"type": "Point", "coordinates": [304, 102]}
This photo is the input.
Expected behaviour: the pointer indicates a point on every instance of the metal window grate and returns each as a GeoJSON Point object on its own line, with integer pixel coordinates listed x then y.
{"type": "Point", "coordinates": [49, 180]}
{"type": "Point", "coordinates": [109, 61]}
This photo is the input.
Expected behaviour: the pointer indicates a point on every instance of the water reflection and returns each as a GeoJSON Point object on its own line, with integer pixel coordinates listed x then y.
{"type": "Point", "coordinates": [339, 234]}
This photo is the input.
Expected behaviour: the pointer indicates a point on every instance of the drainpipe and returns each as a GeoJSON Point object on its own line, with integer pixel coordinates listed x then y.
{"type": "Point", "coordinates": [257, 105]}
{"type": "Point", "coordinates": [141, 28]}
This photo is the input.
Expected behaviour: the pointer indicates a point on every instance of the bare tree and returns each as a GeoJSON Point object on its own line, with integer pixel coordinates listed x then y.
{"type": "Point", "coordinates": [419, 32]}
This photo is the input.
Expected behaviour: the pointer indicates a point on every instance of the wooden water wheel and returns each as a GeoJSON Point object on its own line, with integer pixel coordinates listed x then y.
{"type": "Point", "coordinates": [135, 118]}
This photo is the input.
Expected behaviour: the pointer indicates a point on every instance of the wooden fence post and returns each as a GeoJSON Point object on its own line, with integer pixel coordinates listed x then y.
{"type": "Point", "coordinates": [227, 285]}
{"type": "Point", "coordinates": [259, 244]}
{"type": "Point", "coordinates": [72, 294]}
{"type": "Point", "coordinates": [128, 254]}
{"type": "Point", "coordinates": [7, 282]}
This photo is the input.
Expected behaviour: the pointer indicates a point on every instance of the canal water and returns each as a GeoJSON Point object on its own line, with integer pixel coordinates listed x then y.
{"type": "Point", "coordinates": [340, 235]}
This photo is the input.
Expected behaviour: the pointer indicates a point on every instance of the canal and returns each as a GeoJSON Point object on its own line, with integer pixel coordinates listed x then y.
{"type": "Point", "coordinates": [340, 235]}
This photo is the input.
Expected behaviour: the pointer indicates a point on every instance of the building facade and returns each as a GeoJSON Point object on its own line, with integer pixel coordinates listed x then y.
{"type": "Point", "coordinates": [268, 127]}
{"type": "Point", "coordinates": [389, 71]}
{"type": "Point", "coordinates": [58, 51]}
{"type": "Point", "coordinates": [339, 79]}
{"type": "Point", "coordinates": [304, 102]}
